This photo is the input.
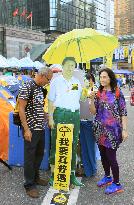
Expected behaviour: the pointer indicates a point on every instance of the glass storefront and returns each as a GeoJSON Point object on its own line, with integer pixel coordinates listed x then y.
{"type": "Point", "coordinates": [41, 13]}
{"type": "Point", "coordinates": [66, 15]}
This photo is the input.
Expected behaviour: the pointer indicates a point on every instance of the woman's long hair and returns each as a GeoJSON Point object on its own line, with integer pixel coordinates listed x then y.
{"type": "Point", "coordinates": [90, 76]}
{"type": "Point", "coordinates": [113, 81]}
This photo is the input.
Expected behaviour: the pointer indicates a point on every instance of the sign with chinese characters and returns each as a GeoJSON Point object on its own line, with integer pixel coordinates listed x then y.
{"type": "Point", "coordinates": [63, 156]}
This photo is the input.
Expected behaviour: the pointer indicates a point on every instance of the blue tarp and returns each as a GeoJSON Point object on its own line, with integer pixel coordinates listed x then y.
{"type": "Point", "coordinates": [123, 71]}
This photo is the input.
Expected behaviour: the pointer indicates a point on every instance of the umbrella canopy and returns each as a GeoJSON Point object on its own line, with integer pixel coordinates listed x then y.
{"type": "Point", "coordinates": [83, 44]}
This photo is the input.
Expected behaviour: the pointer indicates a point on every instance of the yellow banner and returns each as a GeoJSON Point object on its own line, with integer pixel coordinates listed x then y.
{"type": "Point", "coordinates": [109, 58]}
{"type": "Point", "coordinates": [132, 59]}
{"type": "Point", "coordinates": [87, 65]}
{"type": "Point", "coordinates": [126, 52]}
{"type": "Point", "coordinates": [63, 156]}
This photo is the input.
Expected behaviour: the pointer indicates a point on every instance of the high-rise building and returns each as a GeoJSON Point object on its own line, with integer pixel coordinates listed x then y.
{"type": "Point", "coordinates": [124, 17]}
{"type": "Point", "coordinates": [50, 16]}
{"type": "Point", "coordinates": [65, 15]}
{"type": "Point", "coordinates": [41, 13]}
{"type": "Point", "coordinates": [110, 16]}
{"type": "Point", "coordinates": [55, 15]}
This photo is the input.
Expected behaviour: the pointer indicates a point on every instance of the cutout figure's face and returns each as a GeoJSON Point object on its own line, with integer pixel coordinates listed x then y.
{"type": "Point", "coordinates": [68, 68]}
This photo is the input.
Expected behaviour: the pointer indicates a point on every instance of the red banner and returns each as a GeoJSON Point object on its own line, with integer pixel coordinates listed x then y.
{"type": "Point", "coordinates": [30, 16]}
{"type": "Point", "coordinates": [24, 12]}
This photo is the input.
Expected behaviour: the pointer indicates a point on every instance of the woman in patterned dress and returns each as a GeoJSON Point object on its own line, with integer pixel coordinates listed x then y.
{"type": "Point", "coordinates": [110, 126]}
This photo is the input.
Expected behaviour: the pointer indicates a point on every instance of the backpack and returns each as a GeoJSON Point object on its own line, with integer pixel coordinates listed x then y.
{"type": "Point", "coordinates": [16, 117]}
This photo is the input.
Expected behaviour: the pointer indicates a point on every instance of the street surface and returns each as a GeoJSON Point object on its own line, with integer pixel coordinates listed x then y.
{"type": "Point", "coordinates": [11, 182]}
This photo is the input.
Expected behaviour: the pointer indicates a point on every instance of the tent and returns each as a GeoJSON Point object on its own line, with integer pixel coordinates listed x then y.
{"type": "Point", "coordinates": [13, 62]}
{"type": "Point", "coordinates": [6, 104]}
{"type": "Point", "coordinates": [122, 71]}
{"type": "Point", "coordinates": [26, 63]}
{"type": "Point", "coordinates": [97, 60]}
{"type": "Point", "coordinates": [38, 64]}
{"type": "Point", "coordinates": [3, 62]}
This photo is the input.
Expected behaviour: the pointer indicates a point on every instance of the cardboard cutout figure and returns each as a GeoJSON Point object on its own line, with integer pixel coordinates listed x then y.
{"type": "Point", "coordinates": [64, 106]}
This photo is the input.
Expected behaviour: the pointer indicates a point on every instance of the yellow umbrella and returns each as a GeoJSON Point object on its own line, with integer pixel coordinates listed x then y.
{"type": "Point", "coordinates": [83, 44]}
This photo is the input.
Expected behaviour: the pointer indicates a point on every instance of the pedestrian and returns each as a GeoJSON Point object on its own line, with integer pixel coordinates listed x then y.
{"type": "Point", "coordinates": [130, 83]}
{"type": "Point", "coordinates": [110, 127]}
{"type": "Point", "coordinates": [87, 140]}
{"type": "Point", "coordinates": [64, 107]}
{"type": "Point", "coordinates": [31, 111]}
{"type": "Point", "coordinates": [124, 81]}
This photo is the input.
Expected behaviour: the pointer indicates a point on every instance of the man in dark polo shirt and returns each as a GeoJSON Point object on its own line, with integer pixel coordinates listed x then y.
{"type": "Point", "coordinates": [31, 111]}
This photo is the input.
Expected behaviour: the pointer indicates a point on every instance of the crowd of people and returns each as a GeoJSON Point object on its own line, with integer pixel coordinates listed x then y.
{"type": "Point", "coordinates": [126, 80]}
{"type": "Point", "coordinates": [98, 115]}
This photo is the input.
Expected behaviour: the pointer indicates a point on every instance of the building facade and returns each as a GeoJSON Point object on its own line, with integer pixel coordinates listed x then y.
{"type": "Point", "coordinates": [124, 17]}
{"type": "Point", "coordinates": [110, 16]}
{"type": "Point", "coordinates": [66, 15]}
{"type": "Point", "coordinates": [17, 43]}
{"type": "Point", "coordinates": [55, 15]}
{"type": "Point", "coordinates": [7, 7]}
{"type": "Point", "coordinates": [51, 17]}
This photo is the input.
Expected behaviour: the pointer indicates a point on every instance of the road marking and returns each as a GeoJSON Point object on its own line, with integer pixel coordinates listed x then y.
{"type": "Point", "coordinates": [72, 198]}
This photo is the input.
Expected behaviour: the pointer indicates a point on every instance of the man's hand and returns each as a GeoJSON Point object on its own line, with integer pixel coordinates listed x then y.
{"type": "Point", "coordinates": [28, 135]}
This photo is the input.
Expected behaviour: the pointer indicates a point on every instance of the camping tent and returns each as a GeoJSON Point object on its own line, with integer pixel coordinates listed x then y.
{"type": "Point", "coordinates": [3, 62]}
{"type": "Point", "coordinates": [13, 62]}
{"type": "Point", "coordinates": [38, 64]}
{"type": "Point", "coordinates": [26, 63]}
{"type": "Point", "coordinates": [5, 109]}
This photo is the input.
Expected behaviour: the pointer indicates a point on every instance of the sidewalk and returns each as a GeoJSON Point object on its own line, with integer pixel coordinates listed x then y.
{"type": "Point", "coordinates": [11, 182]}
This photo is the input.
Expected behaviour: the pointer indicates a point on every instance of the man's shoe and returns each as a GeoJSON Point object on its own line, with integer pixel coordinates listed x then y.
{"type": "Point", "coordinates": [104, 181]}
{"type": "Point", "coordinates": [114, 188]}
{"type": "Point", "coordinates": [80, 172]}
{"type": "Point", "coordinates": [32, 193]}
{"type": "Point", "coordinates": [51, 180]}
{"type": "Point", "coordinates": [42, 182]}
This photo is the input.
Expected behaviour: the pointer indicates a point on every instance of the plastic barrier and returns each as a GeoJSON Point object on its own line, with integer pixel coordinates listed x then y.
{"type": "Point", "coordinates": [16, 146]}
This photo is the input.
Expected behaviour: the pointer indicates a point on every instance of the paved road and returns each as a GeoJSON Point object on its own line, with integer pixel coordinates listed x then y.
{"type": "Point", "coordinates": [11, 183]}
